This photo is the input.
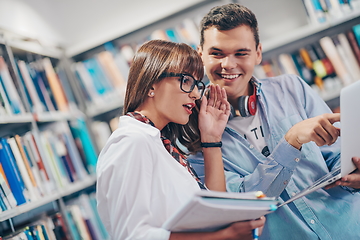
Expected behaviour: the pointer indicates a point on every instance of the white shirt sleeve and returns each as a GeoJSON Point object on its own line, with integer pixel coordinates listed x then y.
{"type": "Point", "coordinates": [124, 189]}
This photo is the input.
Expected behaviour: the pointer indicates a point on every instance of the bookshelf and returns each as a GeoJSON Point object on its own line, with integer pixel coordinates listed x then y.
{"type": "Point", "coordinates": [46, 145]}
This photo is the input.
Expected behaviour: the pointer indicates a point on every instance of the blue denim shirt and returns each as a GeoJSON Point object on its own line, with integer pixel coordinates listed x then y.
{"type": "Point", "coordinates": [324, 214]}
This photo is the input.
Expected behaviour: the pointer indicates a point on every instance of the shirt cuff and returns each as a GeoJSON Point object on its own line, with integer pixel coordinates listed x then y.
{"type": "Point", "coordinates": [286, 155]}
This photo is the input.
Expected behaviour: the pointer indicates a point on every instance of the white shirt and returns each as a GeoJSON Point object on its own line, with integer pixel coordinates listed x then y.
{"type": "Point", "coordinates": [252, 130]}
{"type": "Point", "coordinates": [139, 184]}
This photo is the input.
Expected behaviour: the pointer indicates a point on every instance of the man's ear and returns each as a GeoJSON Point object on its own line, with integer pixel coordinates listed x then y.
{"type": "Point", "coordinates": [199, 50]}
{"type": "Point", "coordinates": [259, 54]}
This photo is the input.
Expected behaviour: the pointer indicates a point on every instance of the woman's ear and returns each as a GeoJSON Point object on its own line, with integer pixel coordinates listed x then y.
{"type": "Point", "coordinates": [151, 92]}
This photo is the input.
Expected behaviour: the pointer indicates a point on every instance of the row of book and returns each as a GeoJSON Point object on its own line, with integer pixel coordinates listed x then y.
{"type": "Point", "coordinates": [44, 89]}
{"type": "Point", "coordinates": [39, 164]}
{"type": "Point", "coordinates": [103, 77]}
{"type": "Point", "coordinates": [321, 11]}
{"type": "Point", "coordinates": [327, 65]}
{"type": "Point", "coordinates": [82, 216]}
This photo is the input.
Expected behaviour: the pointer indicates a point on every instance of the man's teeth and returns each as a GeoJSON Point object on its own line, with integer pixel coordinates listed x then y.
{"type": "Point", "coordinates": [230, 76]}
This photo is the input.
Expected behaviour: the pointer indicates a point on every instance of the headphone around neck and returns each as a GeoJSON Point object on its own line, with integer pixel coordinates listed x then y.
{"type": "Point", "coordinates": [247, 104]}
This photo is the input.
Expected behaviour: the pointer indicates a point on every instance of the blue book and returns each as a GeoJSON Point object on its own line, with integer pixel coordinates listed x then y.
{"type": "Point", "coordinates": [12, 173]}
{"type": "Point", "coordinates": [100, 225]}
{"type": "Point", "coordinates": [45, 234]}
{"type": "Point", "coordinates": [356, 30]}
{"type": "Point", "coordinates": [37, 81]}
{"type": "Point", "coordinates": [80, 131]}
{"type": "Point", "coordinates": [172, 35]}
{"type": "Point", "coordinates": [98, 82]}
{"type": "Point", "coordinates": [72, 226]}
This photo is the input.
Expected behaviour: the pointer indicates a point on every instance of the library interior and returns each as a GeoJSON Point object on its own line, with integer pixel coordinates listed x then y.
{"type": "Point", "coordinates": [63, 75]}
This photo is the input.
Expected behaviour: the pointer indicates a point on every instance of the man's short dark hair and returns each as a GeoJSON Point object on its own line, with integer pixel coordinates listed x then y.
{"type": "Point", "coordinates": [227, 17]}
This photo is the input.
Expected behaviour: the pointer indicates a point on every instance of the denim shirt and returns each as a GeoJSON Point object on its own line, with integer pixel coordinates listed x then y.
{"type": "Point", "coordinates": [282, 102]}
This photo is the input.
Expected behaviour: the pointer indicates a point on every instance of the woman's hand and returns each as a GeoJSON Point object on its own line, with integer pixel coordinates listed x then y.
{"type": "Point", "coordinates": [214, 114]}
{"type": "Point", "coordinates": [238, 230]}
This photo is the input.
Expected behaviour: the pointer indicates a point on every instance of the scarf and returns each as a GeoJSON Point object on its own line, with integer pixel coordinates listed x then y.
{"type": "Point", "coordinates": [174, 152]}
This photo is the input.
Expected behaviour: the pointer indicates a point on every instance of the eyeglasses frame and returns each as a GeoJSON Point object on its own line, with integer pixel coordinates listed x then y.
{"type": "Point", "coordinates": [196, 82]}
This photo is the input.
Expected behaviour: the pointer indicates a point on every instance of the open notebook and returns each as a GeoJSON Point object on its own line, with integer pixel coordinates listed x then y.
{"type": "Point", "coordinates": [350, 132]}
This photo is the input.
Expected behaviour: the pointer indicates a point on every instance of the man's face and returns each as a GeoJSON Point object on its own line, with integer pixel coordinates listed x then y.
{"type": "Point", "coordinates": [229, 58]}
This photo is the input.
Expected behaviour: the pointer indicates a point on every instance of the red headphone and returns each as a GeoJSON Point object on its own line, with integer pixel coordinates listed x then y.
{"type": "Point", "coordinates": [247, 104]}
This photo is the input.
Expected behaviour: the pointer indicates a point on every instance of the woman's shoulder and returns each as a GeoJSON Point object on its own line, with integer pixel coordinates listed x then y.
{"type": "Point", "coordinates": [131, 131]}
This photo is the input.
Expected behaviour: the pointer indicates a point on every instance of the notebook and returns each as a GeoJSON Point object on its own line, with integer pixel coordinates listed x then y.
{"type": "Point", "coordinates": [350, 132]}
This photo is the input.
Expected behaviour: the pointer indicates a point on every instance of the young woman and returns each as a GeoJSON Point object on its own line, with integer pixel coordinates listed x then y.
{"type": "Point", "coordinates": [143, 176]}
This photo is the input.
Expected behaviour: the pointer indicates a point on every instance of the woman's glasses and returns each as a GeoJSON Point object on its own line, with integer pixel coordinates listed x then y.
{"type": "Point", "coordinates": [187, 82]}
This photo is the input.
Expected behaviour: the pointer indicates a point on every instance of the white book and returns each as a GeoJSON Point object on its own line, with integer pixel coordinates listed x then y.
{"type": "Point", "coordinates": [332, 53]}
{"type": "Point", "coordinates": [211, 210]}
{"type": "Point", "coordinates": [102, 133]}
{"type": "Point", "coordinates": [34, 167]}
{"type": "Point", "coordinates": [354, 66]}
{"type": "Point", "coordinates": [47, 180]}
{"type": "Point", "coordinates": [79, 221]}
{"type": "Point", "coordinates": [8, 193]}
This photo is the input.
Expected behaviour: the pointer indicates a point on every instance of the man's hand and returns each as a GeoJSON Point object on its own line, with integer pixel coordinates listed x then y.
{"type": "Point", "coordinates": [352, 180]}
{"type": "Point", "coordinates": [318, 129]}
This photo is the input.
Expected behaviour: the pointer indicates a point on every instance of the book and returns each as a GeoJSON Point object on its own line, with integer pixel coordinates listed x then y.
{"type": "Point", "coordinates": [101, 132]}
{"type": "Point", "coordinates": [304, 72]}
{"type": "Point", "coordinates": [10, 88]}
{"type": "Point", "coordinates": [345, 59]}
{"type": "Point", "coordinates": [354, 46]}
{"type": "Point", "coordinates": [309, 64]}
{"type": "Point", "coordinates": [32, 193]}
{"type": "Point", "coordinates": [55, 85]}
{"type": "Point", "coordinates": [47, 182]}
{"type": "Point", "coordinates": [38, 106]}
{"type": "Point", "coordinates": [8, 163]}
{"type": "Point", "coordinates": [332, 53]}
{"type": "Point", "coordinates": [350, 55]}
{"type": "Point", "coordinates": [107, 61]}
{"type": "Point", "coordinates": [5, 104]}
{"type": "Point", "coordinates": [80, 133]}
{"type": "Point", "coordinates": [211, 210]}
{"type": "Point", "coordinates": [287, 64]}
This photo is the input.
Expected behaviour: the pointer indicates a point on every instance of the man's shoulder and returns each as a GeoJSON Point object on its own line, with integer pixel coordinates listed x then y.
{"type": "Point", "coordinates": [284, 78]}
{"type": "Point", "coordinates": [284, 81]}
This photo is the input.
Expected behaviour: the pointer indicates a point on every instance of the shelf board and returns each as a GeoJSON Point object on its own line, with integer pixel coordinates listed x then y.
{"type": "Point", "coordinates": [94, 110]}
{"type": "Point", "coordinates": [16, 119]}
{"type": "Point", "coordinates": [72, 188]}
{"type": "Point", "coordinates": [37, 48]}
{"type": "Point", "coordinates": [304, 31]}
{"type": "Point", "coordinates": [52, 116]}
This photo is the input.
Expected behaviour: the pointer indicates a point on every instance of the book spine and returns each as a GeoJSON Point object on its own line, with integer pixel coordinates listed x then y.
{"type": "Point", "coordinates": [55, 85]}
{"type": "Point", "coordinates": [13, 176]}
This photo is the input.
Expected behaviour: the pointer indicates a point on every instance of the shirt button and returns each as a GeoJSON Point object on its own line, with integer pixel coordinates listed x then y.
{"type": "Point", "coordinates": [312, 221]}
{"type": "Point", "coordinates": [297, 159]}
{"type": "Point", "coordinates": [285, 182]}
{"type": "Point", "coordinates": [251, 146]}
{"type": "Point", "coordinates": [293, 194]}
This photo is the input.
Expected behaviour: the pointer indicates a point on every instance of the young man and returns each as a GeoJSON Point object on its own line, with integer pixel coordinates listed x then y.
{"type": "Point", "coordinates": [281, 136]}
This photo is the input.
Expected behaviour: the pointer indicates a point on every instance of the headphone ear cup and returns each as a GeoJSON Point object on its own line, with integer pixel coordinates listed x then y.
{"type": "Point", "coordinates": [242, 104]}
{"type": "Point", "coordinates": [251, 105]}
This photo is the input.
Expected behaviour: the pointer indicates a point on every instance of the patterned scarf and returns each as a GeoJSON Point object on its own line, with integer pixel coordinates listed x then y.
{"type": "Point", "coordinates": [174, 152]}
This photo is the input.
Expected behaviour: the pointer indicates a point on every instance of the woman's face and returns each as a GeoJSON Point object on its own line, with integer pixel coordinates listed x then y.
{"type": "Point", "coordinates": [170, 103]}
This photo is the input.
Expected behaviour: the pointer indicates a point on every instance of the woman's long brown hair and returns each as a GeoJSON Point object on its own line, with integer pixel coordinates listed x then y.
{"type": "Point", "coordinates": [151, 60]}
